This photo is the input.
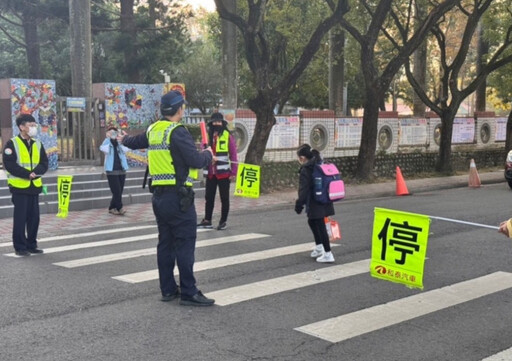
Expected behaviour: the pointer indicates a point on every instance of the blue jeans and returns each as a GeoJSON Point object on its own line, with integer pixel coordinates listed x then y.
{"type": "Point", "coordinates": [176, 243]}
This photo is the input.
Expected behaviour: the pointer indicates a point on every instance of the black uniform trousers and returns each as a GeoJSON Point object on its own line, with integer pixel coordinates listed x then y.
{"type": "Point", "coordinates": [177, 232]}
{"type": "Point", "coordinates": [25, 221]}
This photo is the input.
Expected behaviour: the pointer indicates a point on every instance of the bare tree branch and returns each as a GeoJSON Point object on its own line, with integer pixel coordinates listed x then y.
{"type": "Point", "coordinates": [14, 40]}
{"type": "Point", "coordinates": [419, 90]}
{"type": "Point", "coordinates": [10, 21]}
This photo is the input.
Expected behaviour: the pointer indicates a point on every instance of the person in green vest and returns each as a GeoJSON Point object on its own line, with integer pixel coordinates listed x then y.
{"type": "Point", "coordinates": [25, 161]}
{"type": "Point", "coordinates": [220, 173]}
{"type": "Point", "coordinates": [173, 161]}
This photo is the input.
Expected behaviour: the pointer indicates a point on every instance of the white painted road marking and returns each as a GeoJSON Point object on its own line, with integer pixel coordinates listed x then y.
{"type": "Point", "coordinates": [222, 262]}
{"type": "Point", "coordinates": [151, 251]}
{"type": "Point", "coordinates": [357, 323]}
{"type": "Point", "coordinates": [505, 355]}
{"type": "Point", "coordinates": [109, 242]}
{"type": "Point", "coordinates": [254, 290]}
{"type": "Point", "coordinates": [86, 234]}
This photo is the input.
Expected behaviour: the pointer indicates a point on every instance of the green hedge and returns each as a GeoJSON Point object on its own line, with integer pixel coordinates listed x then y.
{"type": "Point", "coordinates": [276, 176]}
{"type": "Point", "coordinates": [195, 130]}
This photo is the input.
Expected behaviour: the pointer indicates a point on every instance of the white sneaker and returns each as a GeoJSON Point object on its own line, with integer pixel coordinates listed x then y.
{"type": "Point", "coordinates": [317, 251]}
{"type": "Point", "coordinates": [327, 257]}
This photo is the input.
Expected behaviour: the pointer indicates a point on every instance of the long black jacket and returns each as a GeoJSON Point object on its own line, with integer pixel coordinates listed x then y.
{"type": "Point", "coordinates": [314, 209]}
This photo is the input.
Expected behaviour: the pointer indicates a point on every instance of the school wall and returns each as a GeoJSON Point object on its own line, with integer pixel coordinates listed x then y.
{"type": "Point", "coordinates": [282, 175]}
{"type": "Point", "coordinates": [30, 96]}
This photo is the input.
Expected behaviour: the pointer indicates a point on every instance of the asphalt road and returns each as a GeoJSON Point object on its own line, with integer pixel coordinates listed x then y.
{"type": "Point", "coordinates": [51, 312]}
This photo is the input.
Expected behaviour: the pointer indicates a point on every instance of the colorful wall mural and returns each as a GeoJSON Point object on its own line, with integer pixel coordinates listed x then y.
{"type": "Point", "coordinates": [135, 106]}
{"type": "Point", "coordinates": [37, 97]}
{"type": "Point", "coordinates": [132, 106]}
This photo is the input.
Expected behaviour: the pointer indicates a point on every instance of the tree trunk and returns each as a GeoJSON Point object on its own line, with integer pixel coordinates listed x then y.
{"type": "Point", "coordinates": [336, 70]}
{"type": "Point", "coordinates": [420, 65]}
{"type": "Point", "coordinates": [80, 48]}
{"type": "Point", "coordinates": [29, 21]}
{"type": "Point", "coordinates": [444, 163]}
{"type": "Point", "coordinates": [482, 50]}
{"type": "Point", "coordinates": [229, 60]}
{"type": "Point", "coordinates": [508, 141]}
{"type": "Point", "coordinates": [368, 146]}
{"type": "Point", "coordinates": [152, 4]}
{"type": "Point", "coordinates": [81, 69]}
{"type": "Point", "coordinates": [129, 32]}
{"type": "Point", "coordinates": [263, 106]}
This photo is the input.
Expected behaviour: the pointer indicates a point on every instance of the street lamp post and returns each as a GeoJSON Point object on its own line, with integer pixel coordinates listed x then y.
{"type": "Point", "coordinates": [167, 78]}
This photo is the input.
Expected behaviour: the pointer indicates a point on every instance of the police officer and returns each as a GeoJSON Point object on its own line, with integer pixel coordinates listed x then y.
{"type": "Point", "coordinates": [25, 161]}
{"type": "Point", "coordinates": [173, 162]}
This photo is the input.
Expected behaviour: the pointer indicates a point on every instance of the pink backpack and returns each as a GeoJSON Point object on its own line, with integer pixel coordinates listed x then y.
{"type": "Point", "coordinates": [327, 183]}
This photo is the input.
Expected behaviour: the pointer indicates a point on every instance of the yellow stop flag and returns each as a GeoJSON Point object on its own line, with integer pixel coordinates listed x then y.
{"type": "Point", "coordinates": [248, 181]}
{"type": "Point", "coordinates": [399, 246]}
{"type": "Point", "coordinates": [64, 193]}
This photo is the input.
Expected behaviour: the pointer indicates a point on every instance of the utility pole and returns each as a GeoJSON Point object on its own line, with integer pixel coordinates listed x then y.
{"type": "Point", "coordinates": [81, 59]}
{"type": "Point", "coordinates": [229, 60]}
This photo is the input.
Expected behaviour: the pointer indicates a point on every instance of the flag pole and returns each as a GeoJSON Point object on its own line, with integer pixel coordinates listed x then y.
{"type": "Point", "coordinates": [465, 222]}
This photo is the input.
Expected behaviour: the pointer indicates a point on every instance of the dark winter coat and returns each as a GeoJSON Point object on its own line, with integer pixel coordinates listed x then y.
{"type": "Point", "coordinates": [314, 210]}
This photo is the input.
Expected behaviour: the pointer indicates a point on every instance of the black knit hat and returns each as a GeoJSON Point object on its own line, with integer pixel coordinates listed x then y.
{"type": "Point", "coordinates": [217, 117]}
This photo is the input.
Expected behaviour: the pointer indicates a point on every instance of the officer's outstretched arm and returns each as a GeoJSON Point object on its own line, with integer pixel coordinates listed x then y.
{"type": "Point", "coordinates": [139, 141]}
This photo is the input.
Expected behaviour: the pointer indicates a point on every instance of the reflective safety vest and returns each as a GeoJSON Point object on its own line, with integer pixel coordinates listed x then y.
{"type": "Point", "coordinates": [222, 153]}
{"type": "Point", "coordinates": [25, 159]}
{"type": "Point", "coordinates": [161, 164]}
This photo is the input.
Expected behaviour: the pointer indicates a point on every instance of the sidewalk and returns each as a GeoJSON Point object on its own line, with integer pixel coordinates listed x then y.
{"type": "Point", "coordinates": [50, 225]}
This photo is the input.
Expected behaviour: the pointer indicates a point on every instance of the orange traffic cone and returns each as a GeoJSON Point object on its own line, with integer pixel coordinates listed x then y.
{"type": "Point", "coordinates": [401, 188]}
{"type": "Point", "coordinates": [474, 178]}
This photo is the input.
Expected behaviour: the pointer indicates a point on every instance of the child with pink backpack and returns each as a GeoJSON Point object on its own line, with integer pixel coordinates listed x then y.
{"type": "Point", "coordinates": [311, 184]}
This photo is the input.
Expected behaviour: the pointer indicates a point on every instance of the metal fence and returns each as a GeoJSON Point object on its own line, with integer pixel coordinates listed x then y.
{"type": "Point", "coordinates": [78, 133]}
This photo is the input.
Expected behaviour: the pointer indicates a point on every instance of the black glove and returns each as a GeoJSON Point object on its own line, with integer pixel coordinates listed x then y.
{"type": "Point", "coordinates": [298, 209]}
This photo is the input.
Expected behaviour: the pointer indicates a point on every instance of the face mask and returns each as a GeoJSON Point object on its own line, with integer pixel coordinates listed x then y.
{"type": "Point", "coordinates": [217, 128]}
{"type": "Point", "coordinates": [113, 135]}
{"type": "Point", "coordinates": [32, 131]}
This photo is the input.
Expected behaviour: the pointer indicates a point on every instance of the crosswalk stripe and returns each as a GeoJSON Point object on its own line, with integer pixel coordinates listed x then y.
{"type": "Point", "coordinates": [254, 290]}
{"type": "Point", "coordinates": [221, 262]}
{"type": "Point", "coordinates": [100, 243]}
{"type": "Point", "coordinates": [151, 251]}
{"type": "Point", "coordinates": [85, 234]}
{"type": "Point", "coordinates": [505, 355]}
{"type": "Point", "coordinates": [356, 323]}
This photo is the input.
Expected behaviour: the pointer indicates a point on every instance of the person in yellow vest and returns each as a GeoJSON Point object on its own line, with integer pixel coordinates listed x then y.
{"type": "Point", "coordinates": [25, 161]}
{"type": "Point", "coordinates": [173, 161]}
{"type": "Point", "coordinates": [220, 173]}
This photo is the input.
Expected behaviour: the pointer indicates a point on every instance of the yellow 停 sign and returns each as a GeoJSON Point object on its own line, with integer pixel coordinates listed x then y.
{"type": "Point", "coordinates": [399, 246]}
{"type": "Point", "coordinates": [248, 181]}
{"type": "Point", "coordinates": [64, 193]}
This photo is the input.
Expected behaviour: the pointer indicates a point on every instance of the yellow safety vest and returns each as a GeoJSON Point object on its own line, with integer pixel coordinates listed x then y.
{"type": "Point", "coordinates": [161, 164]}
{"type": "Point", "coordinates": [24, 159]}
{"type": "Point", "coordinates": [222, 153]}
